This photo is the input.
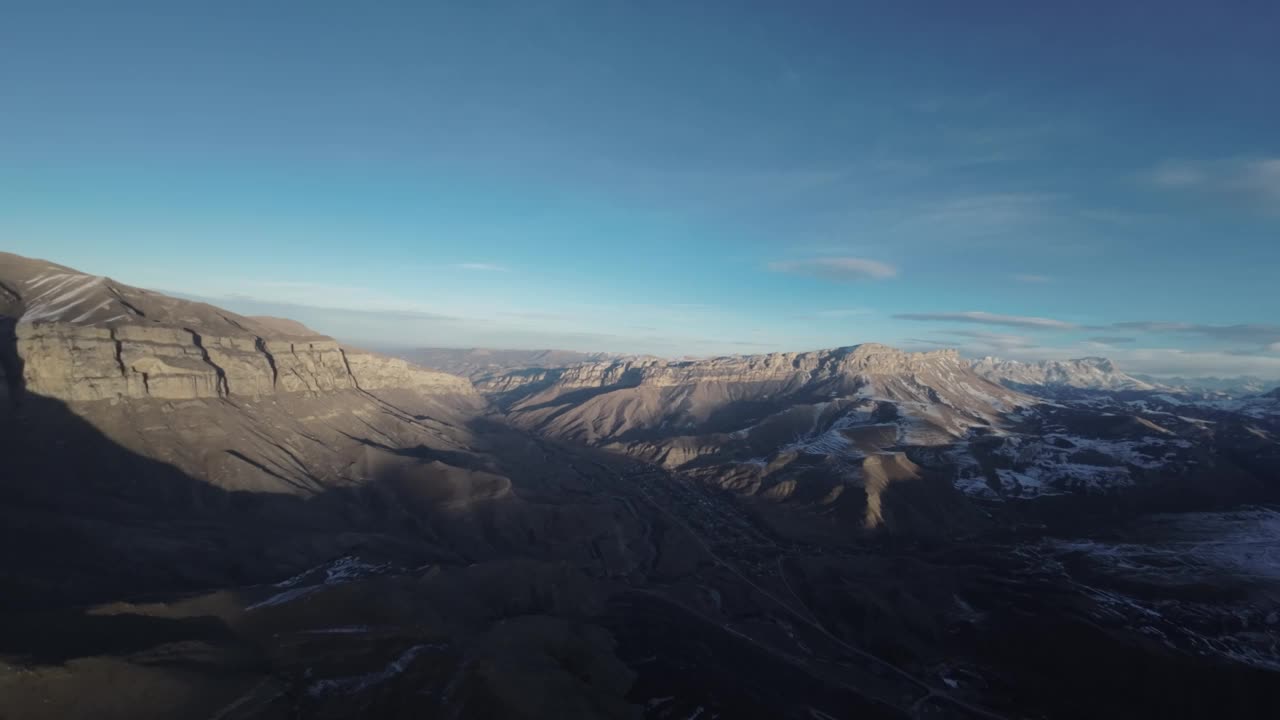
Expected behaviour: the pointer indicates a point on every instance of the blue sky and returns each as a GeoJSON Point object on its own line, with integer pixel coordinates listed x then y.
{"type": "Point", "coordinates": [669, 177]}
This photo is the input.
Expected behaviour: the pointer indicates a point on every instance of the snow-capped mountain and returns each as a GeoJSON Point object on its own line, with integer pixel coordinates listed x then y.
{"type": "Point", "coordinates": [1088, 373]}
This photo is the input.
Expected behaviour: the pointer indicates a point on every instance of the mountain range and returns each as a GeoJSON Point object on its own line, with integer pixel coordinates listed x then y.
{"type": "Point", "coordinates": [1086, 373]}
{"type": "Point", "coordinates": [1090, 373]}
{"type": "Point", "coordinates": [238, 517]}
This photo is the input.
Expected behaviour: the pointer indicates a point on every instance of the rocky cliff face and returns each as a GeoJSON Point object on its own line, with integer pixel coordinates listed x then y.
{"type": "Point", "coordinates": [865, 359]}
{"type": "Point", "coordinates": [788, 367]}
{"type": "Point", "coordinates": [79, 338]}
{"type": "Point", "coordinates": [678, 412]}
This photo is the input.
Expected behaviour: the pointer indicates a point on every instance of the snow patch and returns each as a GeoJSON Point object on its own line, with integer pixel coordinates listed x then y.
{"type": "Point", "coordinates": [61, 293]}
{"type": "Point", "coordinates": [353, 684]}
{"type": "Point", "coordinates": [831, 441]}
{"type": "Point", "coordinates": [1051, 464]}
{"type": "Point", "coordinates": [343, 570]}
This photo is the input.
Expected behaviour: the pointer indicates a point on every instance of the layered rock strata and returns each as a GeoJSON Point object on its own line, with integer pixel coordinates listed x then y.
{"type": "Point", "coordinates": [79, 338]}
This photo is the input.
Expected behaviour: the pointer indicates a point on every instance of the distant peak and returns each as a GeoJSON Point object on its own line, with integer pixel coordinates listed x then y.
{"type": "Point", "coordinates": [1092, 372]}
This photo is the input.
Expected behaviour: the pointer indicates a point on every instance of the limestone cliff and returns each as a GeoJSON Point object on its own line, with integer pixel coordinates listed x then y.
{"type": "Point", "coordinates": [78, 337]}
{"type": "Point", "coordinates": [865, 359]}
{"type": "Point", "coordinates": [805, 367]}
{"type": "Point", "coordinates": [677, 412]}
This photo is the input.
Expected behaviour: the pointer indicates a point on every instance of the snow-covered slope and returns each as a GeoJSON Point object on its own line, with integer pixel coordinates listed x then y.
{"type": "Point", "coordinates": [1089, 373]}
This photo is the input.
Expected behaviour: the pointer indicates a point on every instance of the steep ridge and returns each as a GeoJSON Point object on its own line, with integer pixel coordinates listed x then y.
{"type": "Point", "coordinates": [83, 337]}
{"type": "Point", "coordinates": [154, 385]}
{"type": "Point", "coordinates": [238, 407]}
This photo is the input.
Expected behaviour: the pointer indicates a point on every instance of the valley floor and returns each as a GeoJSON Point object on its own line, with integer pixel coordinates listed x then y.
{"type": "Point", "coordinates": [704, 606]}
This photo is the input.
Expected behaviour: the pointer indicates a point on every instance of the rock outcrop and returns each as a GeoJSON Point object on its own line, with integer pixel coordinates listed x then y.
{"type": "Point", "coordinates": [82, 338]}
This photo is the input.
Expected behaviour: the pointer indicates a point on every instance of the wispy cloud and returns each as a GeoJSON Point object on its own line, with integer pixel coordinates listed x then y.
{"type": "Point", "coordinates": [840, 269]}
{"type": "Point", "coordinates": [995, 341]}
{"type": "Point", "coordinates": [987, 210]}
{"type": "Point", "coordinates": [1254, 180]}
{"type": "Point", "coordinates": [1176, 175]}
{"type": "Point", "coordinates": [979, 343]}
{"type": "Point", "coordinates": [1263, 177]}
{"type": "Point", "coordinates": [318, 295]}
{"type": "Point", "coordinates": [840, 313]}
{"type": "Point", "coordinates": [1111, 339]}
{"type": "Point", "coordinates": [481, 266]}
{"type": "Point", "coordinates": [537, 315]}
{"type": "Point", "coordinates": [1253, 333]}
{"type": "Point", "coordinates": [986, 318]}
{"type": "Point", "coordinates": [1152, 326]}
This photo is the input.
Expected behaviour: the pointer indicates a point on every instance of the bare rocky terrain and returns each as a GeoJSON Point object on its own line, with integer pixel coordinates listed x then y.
{"type": "Point", "coordinates": [207, 515]}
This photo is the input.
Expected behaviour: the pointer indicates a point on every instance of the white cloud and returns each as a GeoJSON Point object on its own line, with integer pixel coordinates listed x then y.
{"type": "Point", "coordinates": [842, 269]}
{"type": "Point", "coordinates": [986, 318]}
